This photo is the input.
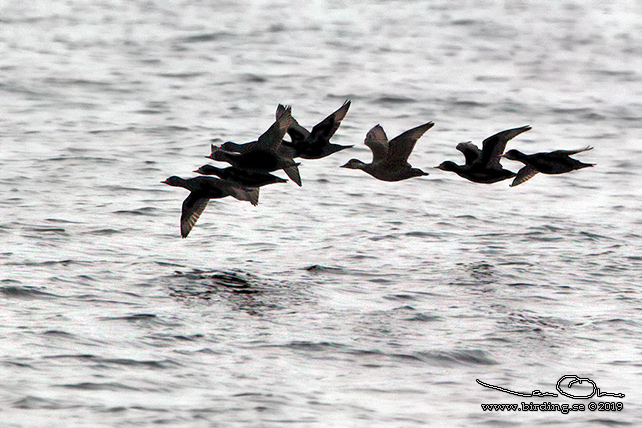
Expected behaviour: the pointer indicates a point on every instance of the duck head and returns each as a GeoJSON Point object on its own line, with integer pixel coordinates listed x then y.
{"type": "Point", "coordinates": [513, 155]}
{"type": "Point", "coordinates": [229, 146]}
{"type": "Point", "coordinates": [173, 181]}
{"type": "Point", "coordinates": [447, 166]}
{"type": "Point", "coordinates": [208, 170]}
{"type": "Point", "coordinates": [218, 154]}
{"type": "Point", "coordinates": [354, 164]}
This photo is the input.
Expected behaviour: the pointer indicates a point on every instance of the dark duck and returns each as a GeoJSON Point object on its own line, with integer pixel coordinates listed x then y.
{"type": "Point", "coordinates": [261, 156]}
{"type": "Point", "coordinates": [390, 158]}
{"type": "Point", "coordinates": [482, 166]}
{"type": "Point", "coordinates": [314, 144]}
{"type": "Point", "coordinates": [556, 162]}
{"type": "Point", "coordinates": [202, 189]}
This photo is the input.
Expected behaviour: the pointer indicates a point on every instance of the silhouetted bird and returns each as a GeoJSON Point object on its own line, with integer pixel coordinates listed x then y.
{"type": "Point", "coordinates": [482, 166]}
{"type": "Point", "coordinates": [390, 159]}
{"type": "Point", "coordinates": [241, 176]}
{"type": "Point", "coordinates": [202, 189]}
{"type": "Point", "coordinates": [557, 162]}
{"type": "Point", "coordinates": [315, 144]}
{"type": "Point", "coordinates": [262, 155]}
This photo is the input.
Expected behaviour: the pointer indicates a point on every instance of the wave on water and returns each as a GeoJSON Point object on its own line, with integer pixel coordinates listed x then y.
{"type": "Point", "coordinates": [25, 292]}
{"type": "Point", "coordinates": [471, 357]}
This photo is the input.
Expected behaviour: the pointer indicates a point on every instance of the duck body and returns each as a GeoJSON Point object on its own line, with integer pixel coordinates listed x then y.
{"type": "Point", "coordinates": [312, 151]}
{"type": "Point", "coordinates": [253, 160]}
{"type": "Point", "coordinates": [229, 146]}
{"type": "Point", "coordinates": [259, 161]}
{"type": "Point", "coordinates": [241, 176]}
{"type": "Point", "coordinates": [385, 172]}
{"type": "Point", "coordinates": [477, 175]}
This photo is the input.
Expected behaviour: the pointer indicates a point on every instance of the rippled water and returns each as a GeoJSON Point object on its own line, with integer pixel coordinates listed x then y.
{"type": "Point", "coordinates": [348, 301]}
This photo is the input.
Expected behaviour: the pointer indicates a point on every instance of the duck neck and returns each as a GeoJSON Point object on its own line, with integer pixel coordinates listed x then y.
{"type": "Point", "coordinates": [519, 156]}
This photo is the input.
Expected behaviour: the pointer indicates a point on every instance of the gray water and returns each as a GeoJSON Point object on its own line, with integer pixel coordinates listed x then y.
{"type": "Point", "coordinates": [348, 302]}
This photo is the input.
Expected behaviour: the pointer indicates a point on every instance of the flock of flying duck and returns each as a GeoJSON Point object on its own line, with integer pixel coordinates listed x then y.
{"type": "Point", "coordinates": [251, 163]}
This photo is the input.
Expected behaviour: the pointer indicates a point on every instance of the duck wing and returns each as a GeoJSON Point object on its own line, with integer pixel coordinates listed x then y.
{"type": "Point", "coordinates": [400, 147]}
{"type": "Point", "coordinates": [239, 192]}
{"type": "Point", "coordinates": [293, 172]}
{"type": "Point", "coordinates": [271, 139]}
{"type": "Point", "coordinates": [193, 207]}
{"type": "Point", "coordinates": [570, 152]}
{"type": "Point", "coordinates": [493, 147]}
{"type": "Point", "coordinates": [295, 131]}
{"type": "Point", "coordinates": [377, 141]}
{"type": "Point", "coordinates": [325, 129]}
{"type": "Point", "coordinates": [471, 152]}
{"type": "Point", "coordinates": [524, 174]}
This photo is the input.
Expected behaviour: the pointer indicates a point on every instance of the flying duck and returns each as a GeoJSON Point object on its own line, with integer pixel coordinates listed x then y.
{"type": "Point", "coordinates": [482, 166]}
{"type": "Point", "coordinates": [390, 158]}
{"type": "Point", "coordinates": [315, 144]}
{"type": "Point", "coordinates": [556, 162]}
{"type": "Point", "coordinates": [202, 189]}
{"type": "Point", "coordinates": [262, 155]}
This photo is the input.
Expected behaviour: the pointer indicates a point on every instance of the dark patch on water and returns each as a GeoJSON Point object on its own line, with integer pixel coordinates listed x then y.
{"type": "Point", "coordinates": [392, 99]}
{"type": "Point", "coordinates": [33, 402]}
{"type": "Point", "coordinates": [143, 319]}
{"type": "Point", "coordinates": [103, 232]}
{"type": "Point", "coordinates": [421, 234]}
{"type": "Point", "coordinates": [25, 292]}
{"type": "Point", "coordinates": [143, 211]}
{"type": "Point", "coordinates": [53, 230]}
{"type": "Point", "coordinates": [400, 297]}
{"type": "Point", "coordinates": [95, 386]}
{"type": "Point", "coordinates": [146, 364]}
{"type": "Point", "coordinates": [243, 290]}
{"type": "Point", "coordinates": [254, 78]}
{"type": "Point", "coordinates": [206, 37]}
{"type": "Point", "coordinates": [308, 346]}
{"type": "Point", "coordinates": [421, 317]}
{"type": "Point", "coordinates": [66, 262]}
{"type": "Point", "coordinates": [58, 333]}
{"type": "Point", "coordinates": [521, 322]}
{"type": "Point", "coordinates": [60, 220]}
{"type": "Point", "coordinates": [324, 269]}
{"type": "Point", "coordinates": [183, 76]}
{"type": "Point", "coordinates": [235, 281]}
{"type": "Point", "coordinates": [473, 357]}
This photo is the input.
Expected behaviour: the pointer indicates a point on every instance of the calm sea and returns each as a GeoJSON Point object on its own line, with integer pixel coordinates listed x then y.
{"type": "Point", "coordinates": [348, 302]}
